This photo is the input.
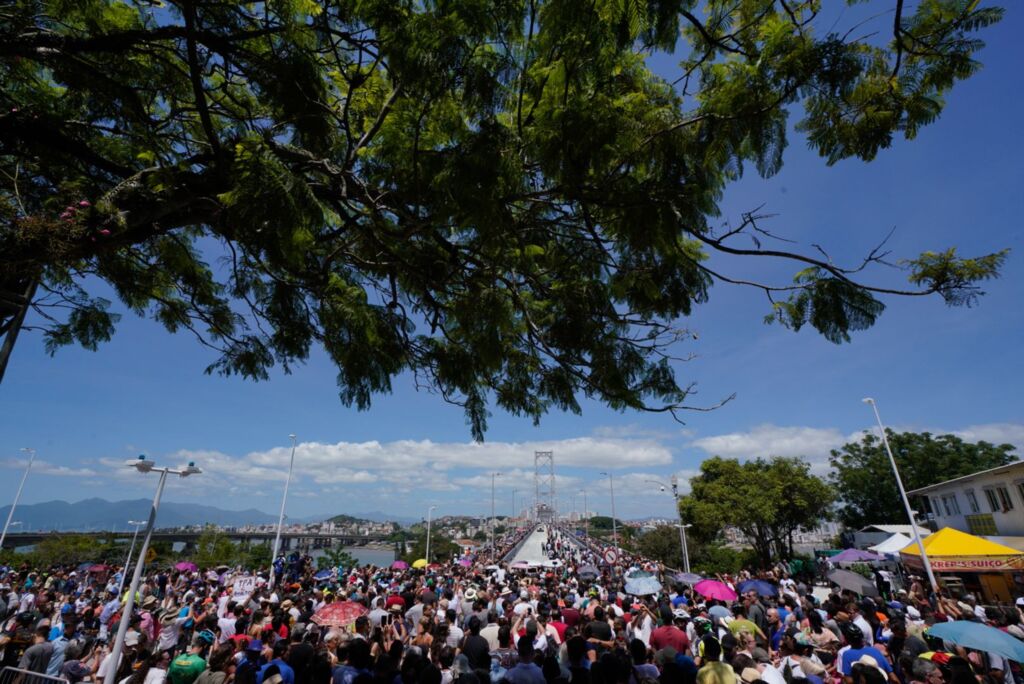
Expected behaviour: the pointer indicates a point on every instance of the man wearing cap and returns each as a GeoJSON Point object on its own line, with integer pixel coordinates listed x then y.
{"type": "Point", "coordinates": [131, 642]}
{"type": "Point", "coordinates": [147, 625]}
{"type": "Point", "coordinates": [250, 662]}
{"type": "Point", "coordinates": [171, 624]}
{"type": "Point", "coordinates": [60, 644]}
{"type": "Point", "coordinates": [187, 667]}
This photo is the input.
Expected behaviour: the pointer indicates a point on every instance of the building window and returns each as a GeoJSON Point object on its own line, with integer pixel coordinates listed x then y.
{"type": "Point", "coordinates": [972, 501]}
{"type": "Point", "coordinates": [1020, 490]}
{"type": "Point", "coordinates": [999, 499]}
{"type": "Point", "coordinates": [951, 505]}
{"type": "Point", "coordinates": [936, 508]}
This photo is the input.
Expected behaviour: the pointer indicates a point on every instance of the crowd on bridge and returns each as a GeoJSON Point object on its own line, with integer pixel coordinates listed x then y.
{"type": "Point", "coordinates": [570, 617]}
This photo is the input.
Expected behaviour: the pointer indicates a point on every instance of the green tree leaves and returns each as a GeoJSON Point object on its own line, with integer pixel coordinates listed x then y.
{"type": "Point", "coordinates": [865, 484]}
{"type": "Point", "coordinates": [765, 499]}
{"type": "Point", "coordinates": [499, 198]}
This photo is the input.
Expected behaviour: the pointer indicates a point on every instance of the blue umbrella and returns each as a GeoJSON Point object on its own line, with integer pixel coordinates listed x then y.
{"type": "Point", "coordinates": [687, 577]}
{"type": "Point", "coordinates": [322, 575]}
{"type": "Point", "coordinates": [760, 586]}
{"type": "Point", "coordinates": [642, 586]}
{"type": "Point", "coordinates": [981, 637]}
{"type": "Point", "coordinates": [719, 611]}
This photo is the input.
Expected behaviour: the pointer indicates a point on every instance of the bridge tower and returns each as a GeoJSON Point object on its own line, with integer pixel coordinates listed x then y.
{"type": "Point", "coordinates": [544, 485]}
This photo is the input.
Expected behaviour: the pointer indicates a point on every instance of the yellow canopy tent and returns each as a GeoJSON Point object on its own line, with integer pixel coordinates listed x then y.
{"type": "Point", "coordinates": [951, 550]}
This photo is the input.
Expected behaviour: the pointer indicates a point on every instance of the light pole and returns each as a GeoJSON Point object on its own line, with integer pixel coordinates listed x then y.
{"type": "Point", "coordinates": [10, 514]}
{"type": "Point", "coordinates": [280, 518]}
{"type": "Point", "coordinates": [493, 475]}
{"type": "Point", "coordinates": [128, 560]}
{"type": "Point", "coordinates": [143, 465]}
{"type": "Point", "coordinates": [514, 514]}
{"type": "Point", "coordinates": [586, 515]}
{"type": "Point", "coordinates": [615, 529]}
{"type": "Point", "coordinates": [682, 528]}
{"type": "Point", "coordinates": [903, 494]}
{"type": "Point", "coordinates": [429, 511]}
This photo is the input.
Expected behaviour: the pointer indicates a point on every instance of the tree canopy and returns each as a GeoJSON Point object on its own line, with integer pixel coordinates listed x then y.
{"type": "Point", "coordinates": [866, 488]}
{"type": "Point", "coordinates": [765, 499]}
{"type": "Point", "coordinates": [498, 197]}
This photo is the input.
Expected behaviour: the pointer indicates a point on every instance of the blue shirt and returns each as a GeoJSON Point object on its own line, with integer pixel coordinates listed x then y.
{"type": "Point", "coordinates": [346, 674]}
{"type": "Point", "coordinates": [57, 658]}
{"type": "Point", "coordinates": [525, 673]}
{"type": "Point", "coordinates": [853, 655]}
{"type": "Point", "coordinates": [287, 673]}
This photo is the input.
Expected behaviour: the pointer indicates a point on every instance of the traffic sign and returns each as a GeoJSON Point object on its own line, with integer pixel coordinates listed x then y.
{"type": "Point", "coordinates": [610, 556]}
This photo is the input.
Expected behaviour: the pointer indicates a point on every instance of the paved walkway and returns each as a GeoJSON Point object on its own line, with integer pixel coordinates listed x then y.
{"type": "Point", "coordinates": [532, 550]}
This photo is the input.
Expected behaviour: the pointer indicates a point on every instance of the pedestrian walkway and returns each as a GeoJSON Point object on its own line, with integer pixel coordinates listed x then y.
{"type": "Point", "coordinates": [532, 550]}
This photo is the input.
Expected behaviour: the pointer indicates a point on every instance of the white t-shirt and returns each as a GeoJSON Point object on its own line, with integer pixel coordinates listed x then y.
{"type": "Point", "coordinates": [169, 634]}
{"type": "Point", "coordinates": [227, 629]}
{"type": "Point", "coordinates": [643, 631]}
{"type": "Point", "coordinates": [105, 666]}
{"type": "Point", "coordinates": [865, 627]}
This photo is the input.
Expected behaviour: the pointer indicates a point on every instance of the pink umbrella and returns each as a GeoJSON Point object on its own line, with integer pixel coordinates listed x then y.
{"type": "Point", "coordinates": [715, 590]}
{"type": "Point", "coordinates": [465, 562]}
{"type": "Point", "coordinates": [340, 614]}
{"type": "Point", "coordinates": [399, 565]}
{"type": "Point", "coordinates": [185, 566]}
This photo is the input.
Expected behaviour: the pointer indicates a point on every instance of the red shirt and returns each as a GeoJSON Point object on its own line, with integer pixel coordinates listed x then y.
{"type": "Point", "coordinates": [669, 635]}
{"type": "Point", "coordinates": [560, 627]}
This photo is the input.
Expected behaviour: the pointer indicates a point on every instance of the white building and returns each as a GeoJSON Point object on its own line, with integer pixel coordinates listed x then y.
{"type": "Point", "coordinates": [989, 503]}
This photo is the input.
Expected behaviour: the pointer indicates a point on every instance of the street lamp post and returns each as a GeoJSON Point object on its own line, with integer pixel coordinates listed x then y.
{"type": "Point", "coordinates": [615, 529]}
{"type": "Point", "coordinates": [514, 514]}
{"type": "Point", "coordinates": [493, 475]}
{"type": "Point", "coordinates": [682, 528]}
{"type": "Point", "coordinates": [903, 494]}
{"type": "Point", "coordinates": [128, 560]}
{"type": "Point", "coordinates": [586, 515]}
{"type": "Point", "coordinates": [10, 513]}
{"type": "Point", "coordinates": [429, 511]}
{"type": "Point", "coordinates": [143, 465]}
{"type": "Point", "coordinates": [280, 518]}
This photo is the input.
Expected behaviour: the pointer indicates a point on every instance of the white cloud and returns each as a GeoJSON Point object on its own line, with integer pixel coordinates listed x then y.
{"type": "Point", "coordinates": [46, 468]}
{"type": "Point", "coordinates": [995, 433]}
{"type": "Point", "coordinates": [812, 444]}
{"type": "Point", "coordinates": [422, 464]}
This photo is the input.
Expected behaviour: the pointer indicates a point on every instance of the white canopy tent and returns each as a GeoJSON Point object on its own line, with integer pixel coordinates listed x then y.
{"type": "Point", "coordinates": [892, 545]}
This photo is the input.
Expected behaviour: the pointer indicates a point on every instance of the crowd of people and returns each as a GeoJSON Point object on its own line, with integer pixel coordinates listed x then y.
{"type": "Point", "coordinates": [566, 619]}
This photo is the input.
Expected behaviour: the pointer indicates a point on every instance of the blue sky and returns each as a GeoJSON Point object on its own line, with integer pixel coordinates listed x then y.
{"type": "Point", "coordinates": [930, 367]}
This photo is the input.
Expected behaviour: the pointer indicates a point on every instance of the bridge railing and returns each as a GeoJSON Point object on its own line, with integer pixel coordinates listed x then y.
{"type": "Point", "coordinates": [14, 675]}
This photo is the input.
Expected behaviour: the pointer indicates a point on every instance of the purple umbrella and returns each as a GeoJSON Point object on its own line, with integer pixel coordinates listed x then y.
{"type": "Point", "coordinates": [465, 562]}
{"type": "Point", "coordinates": [854, 556]}
{"type": "Point", "coordinates": [399, 565]}
{"type": "Point", "coordinates": [185, 566]}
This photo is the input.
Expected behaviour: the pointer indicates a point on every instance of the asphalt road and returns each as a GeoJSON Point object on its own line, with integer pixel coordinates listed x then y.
{"type": "Point", "coordinates": [532, 550]}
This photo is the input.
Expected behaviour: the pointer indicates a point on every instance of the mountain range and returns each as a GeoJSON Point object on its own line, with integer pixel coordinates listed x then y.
{"type": "Point", "coordinates": [101, 514]}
